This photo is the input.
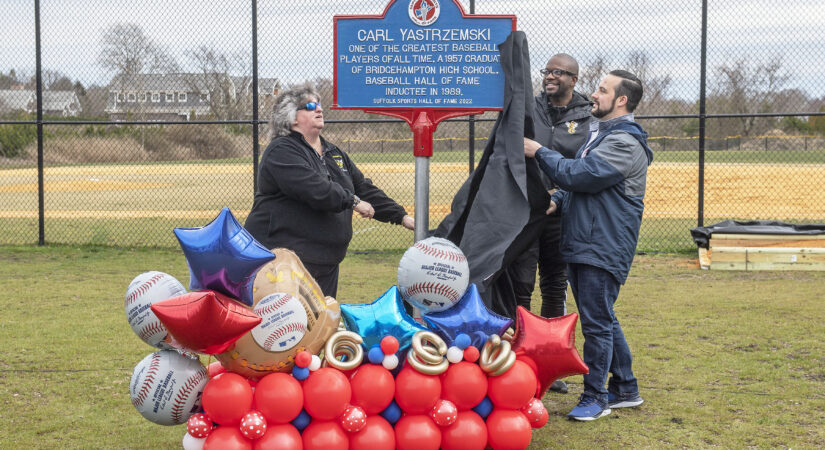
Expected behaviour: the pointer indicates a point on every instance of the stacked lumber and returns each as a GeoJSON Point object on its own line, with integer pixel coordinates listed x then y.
{"type": "Point", "coordinates": [764, 252]}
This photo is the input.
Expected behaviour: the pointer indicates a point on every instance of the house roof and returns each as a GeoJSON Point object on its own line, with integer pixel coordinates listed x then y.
{"type": "Point", "coordinates": [182, 82]}
{"type": "Point", "coordinates": [14, 100]}
{"type": "Point", "coordinates": [21, 100]}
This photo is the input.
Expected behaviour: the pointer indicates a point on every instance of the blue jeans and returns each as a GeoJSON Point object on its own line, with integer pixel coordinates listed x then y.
{"type": "Point", "coordinates": [605, 347]}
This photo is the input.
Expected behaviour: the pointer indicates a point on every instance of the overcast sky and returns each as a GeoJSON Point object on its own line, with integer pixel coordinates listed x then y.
{"type": "Point", "coordinates": [296, 37]}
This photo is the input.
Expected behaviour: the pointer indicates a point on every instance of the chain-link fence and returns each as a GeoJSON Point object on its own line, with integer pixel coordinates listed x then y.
{"type": "Point", "coordinates": [148, 118]}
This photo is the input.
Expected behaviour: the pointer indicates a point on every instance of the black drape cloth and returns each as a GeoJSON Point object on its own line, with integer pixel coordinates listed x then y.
{"type": "Point", "coordinates": [491, 218]}
{"type": "Point", "coordinates": [701, 235]}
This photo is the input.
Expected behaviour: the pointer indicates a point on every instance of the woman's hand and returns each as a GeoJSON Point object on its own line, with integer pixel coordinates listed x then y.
{"type": "Point", "coordinates": [408, 222]}
{"type": "Point", "coordinates": [364, 209]}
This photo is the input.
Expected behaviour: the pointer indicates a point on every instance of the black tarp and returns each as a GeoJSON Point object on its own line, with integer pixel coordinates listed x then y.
{"type": "Point", "coordinates": [702, 235]}
{"type": "Point", "coordinates": [491, 209]}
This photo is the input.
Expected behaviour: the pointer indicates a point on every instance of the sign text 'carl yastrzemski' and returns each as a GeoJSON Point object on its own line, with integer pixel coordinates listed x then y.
{"type": "Point", "coordinates": [420, 54]}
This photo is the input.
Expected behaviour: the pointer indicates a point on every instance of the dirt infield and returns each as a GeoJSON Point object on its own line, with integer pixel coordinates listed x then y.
{"type": "Point", "coordinates": [167, 190]}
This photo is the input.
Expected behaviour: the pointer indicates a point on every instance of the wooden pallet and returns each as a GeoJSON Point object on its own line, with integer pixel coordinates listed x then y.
{"type": "Point", "coordinates": [764, 252]}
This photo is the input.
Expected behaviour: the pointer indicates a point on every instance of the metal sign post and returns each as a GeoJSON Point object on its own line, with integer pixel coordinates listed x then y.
{"type": "Point", "coordinates": [422, 61]}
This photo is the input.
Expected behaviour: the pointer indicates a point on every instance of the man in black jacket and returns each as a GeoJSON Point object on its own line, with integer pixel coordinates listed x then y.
{"type": "Point", "coordinates": [561, 122]}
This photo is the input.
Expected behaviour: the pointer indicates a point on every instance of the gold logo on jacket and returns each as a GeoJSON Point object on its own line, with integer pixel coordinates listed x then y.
{"type": "Point", "coordinates": [571, 127]}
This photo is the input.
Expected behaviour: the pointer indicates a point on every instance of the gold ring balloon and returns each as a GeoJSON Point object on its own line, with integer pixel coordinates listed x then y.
{"type": "Point", "coordinates": [509, 335]}
{"type": "Point", "coordinates": [427, 353]}
{"type": "Point", "coordinates": [345, 343]}
{"type": "Point", "coordinates": [496, 356]}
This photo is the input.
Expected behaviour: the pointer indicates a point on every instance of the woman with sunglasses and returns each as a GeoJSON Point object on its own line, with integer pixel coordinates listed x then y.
{"type": "Point", "coordinates": [308, 189]}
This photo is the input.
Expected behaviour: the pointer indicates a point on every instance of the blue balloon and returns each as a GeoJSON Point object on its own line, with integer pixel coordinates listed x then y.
{"type": "Point", "coordinates": [468, 316]}
{"type": "Point", "coordinates": [375, 355]}
{"type": "Point", "coordinates": [300, 373]}
{"type": "Point", "coordinates": [302, 421]}
{"type": "Point", "coordinates": [393, 412]}
{"type": "Point", "coordinates": [484, 408]}
{"type": "Point", "coordinates": [462, 341]}
{"type": "Point", "coordinates": [383, 317]}
{"type": "Point", "coordinates": [223, 257]}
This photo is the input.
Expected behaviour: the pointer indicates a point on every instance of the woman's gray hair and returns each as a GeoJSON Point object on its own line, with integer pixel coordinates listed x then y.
{"type": "Point", "coordinates": [286, 108]}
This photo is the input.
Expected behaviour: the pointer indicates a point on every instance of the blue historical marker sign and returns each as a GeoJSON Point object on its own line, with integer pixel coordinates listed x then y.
{"type": "Point", "coordinates": [420, 54]}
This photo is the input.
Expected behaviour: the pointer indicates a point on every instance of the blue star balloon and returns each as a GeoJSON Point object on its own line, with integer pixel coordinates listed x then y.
{"type": "Point", "coordinates": [469, 316]}
{"type": "Point", "coordinates": [223, 256]}
{"type": "Point", "coordinates": [383, 317]}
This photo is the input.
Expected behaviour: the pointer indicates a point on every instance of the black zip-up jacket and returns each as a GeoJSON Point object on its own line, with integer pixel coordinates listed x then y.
{"type": "Point", "coordinates": [562, 129]}
{"type": "Point", "coordinates": [304, 202]}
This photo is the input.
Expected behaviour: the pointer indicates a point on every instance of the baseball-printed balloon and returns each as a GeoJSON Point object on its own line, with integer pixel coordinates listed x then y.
{"type": "Point", "coordinates": [146, 289]}
{"type": "Point", "coordinates": [433, 274]}
{"type": "Point", "coordinates": [283, 324]}
{"type": "Point", "coordinates": [166, 387]}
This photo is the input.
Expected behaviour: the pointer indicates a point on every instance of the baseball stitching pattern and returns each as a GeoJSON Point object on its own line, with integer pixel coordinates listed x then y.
{"type": "Point", "coordinates": [293, 327]}
{"type": "Point", "coordinates": [143, 288]}
{"type": "Point", "coordinates": [148, 379]}
{"type": "Point", "coordinates": [150, 329]}
{"type": "Point", "coordinates": [271, 308]}
{"type": "Point", "coordinates": [432, 288]}
{"type": "Point", "coordinates": [439, 253]}
{"type": "Point", "coordinates": [183, 394]}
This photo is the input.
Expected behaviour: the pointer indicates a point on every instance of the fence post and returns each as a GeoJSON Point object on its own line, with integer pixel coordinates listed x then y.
{"type": "Point", "coordinates": [806, 143]}
{"type": "Point", "coordinates": [702, 110]}
{"type": "Point", "coordinates": [766, 143]}
{"type": "Point", "coordinates": [255, 144]}
{"type": "Point", "coordinates": [41, 239]}
{"type": "Point", "coordinates": [726, 143]}
{"type": "Point", "coordinates": [471, 129]}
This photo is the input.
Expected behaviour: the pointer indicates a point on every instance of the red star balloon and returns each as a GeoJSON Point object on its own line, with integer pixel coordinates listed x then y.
{"type": "Point", "coordinates": [548, 346]}
{"type": "Point", "coordinates": [205, 321]}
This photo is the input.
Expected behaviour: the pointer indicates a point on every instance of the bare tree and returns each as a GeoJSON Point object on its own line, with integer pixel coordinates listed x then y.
{"type": "Point", "coordinates": [655, 86]}
{"type": "Point", "coordinates": [745, 88]}
{"type": "Point", "coordinates": [224, 93]}
{"type": "Point", "coordinates": [127, 50]}
{"type": "Point", "coordinates": [592, 73]}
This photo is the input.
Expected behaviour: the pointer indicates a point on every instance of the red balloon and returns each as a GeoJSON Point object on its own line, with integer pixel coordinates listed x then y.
{"type": "Point", "coordinates": [325, 435]}
{"type": "Point", "coordinates": [389, 345]}
{"type": "Point", "coordinates": [464, 384]}
{"type": "Point", "coordinates": [215, 369]}
{"type": "Point", "coordinates": [353, 419]}
{"type": "Point", "coordinates": [327, 393]}
{"type": "Point", "coordinates": [508, 430]}
{"type": "Point", "coordinates": [415, 392]}
{"type": "Point", "coordinates": [377, 434]}
{"type": "Point", "coordinates": [536, 413]}
{"type": "Point", "coordinates": [550, 346]}
{"type": "Point", "coordinates": [469, 432]}
{"type": "Point", "coordinates": [199, 425]}
{"type": "Point", "coordinates": [373, 388]}
{"type": "Point", "coordinates": [279, 437]}
{"type": "Point", "coordinates": [226, 438]}
{"type": "Point", "coordinates": [226, 398]}
{"type": "Point", "coordinates": [514, 388]}
{"type": "Point", "coordinates": [417, 432]}
{"type": "Point", "coordinates": [253, 425]}
{"type": "Point", "coordinates": [279, 397]}
{"type": "Point", "coordinates": [205, 321]}
{"type": "Point", "coordinates": [444, 413]}
{"type": "Point", "coordinates": [471, 354]}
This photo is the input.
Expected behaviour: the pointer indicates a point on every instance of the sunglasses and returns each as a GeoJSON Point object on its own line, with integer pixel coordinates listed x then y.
{"type": "Point", "coordinates": [556, 72]}
{"type": "Point", "coordinates": [311, 106]}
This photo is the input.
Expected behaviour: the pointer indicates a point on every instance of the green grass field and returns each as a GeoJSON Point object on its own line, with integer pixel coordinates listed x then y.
{"type": "Point", "coordinates": [724, 359]}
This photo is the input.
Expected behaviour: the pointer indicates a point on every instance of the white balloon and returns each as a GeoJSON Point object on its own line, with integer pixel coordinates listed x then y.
{"type": "Point", "coordinates": [390, 362]}
{"type": "Point", "coordinates": [315, 363]}
{"type": "Point", "coordinates": [455, 354]}
{"type": "Point", "coordinates": [433, 274]}
{"type": "Point", "coordinates": [192, 443]}
{"type": "Point", "coordinates": [145, 290]}
{"type": "Point", "coordinates": [166, 387]}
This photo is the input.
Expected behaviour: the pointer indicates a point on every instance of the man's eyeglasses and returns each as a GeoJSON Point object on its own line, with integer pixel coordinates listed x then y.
{"type": "Point", "coordinates": [556, 72]}
{"type": "Point", "coordinates": [311, 106]}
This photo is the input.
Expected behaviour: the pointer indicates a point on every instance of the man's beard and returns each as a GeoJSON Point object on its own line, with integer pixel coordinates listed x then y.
{"type": "Point", "coordinates": [599, 113]}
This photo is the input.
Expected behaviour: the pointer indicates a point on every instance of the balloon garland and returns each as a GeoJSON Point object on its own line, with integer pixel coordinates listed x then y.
{"type": "Point", "coordinates": [467, 380]}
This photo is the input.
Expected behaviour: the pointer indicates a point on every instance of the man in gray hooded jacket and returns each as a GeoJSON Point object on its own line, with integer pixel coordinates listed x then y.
{"type": "Point", "coordinates": [601, 198]}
